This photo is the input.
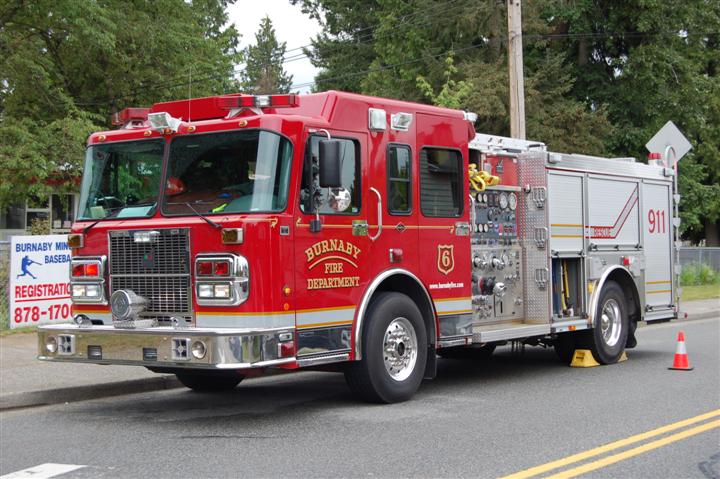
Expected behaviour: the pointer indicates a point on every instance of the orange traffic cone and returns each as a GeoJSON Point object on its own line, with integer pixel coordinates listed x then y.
{"type": "Point", "coordinates": [681, 357]}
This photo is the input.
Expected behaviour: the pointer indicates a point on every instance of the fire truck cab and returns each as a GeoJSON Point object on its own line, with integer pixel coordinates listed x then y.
{"type": "Point", "coordinates": [218, 237]}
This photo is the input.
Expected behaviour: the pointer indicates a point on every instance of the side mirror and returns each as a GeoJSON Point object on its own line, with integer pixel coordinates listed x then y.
{"type": "Point", "coordinates": [330, 166]}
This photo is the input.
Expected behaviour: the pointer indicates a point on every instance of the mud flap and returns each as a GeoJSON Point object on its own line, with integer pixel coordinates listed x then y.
{"type": "Point", "coordinates": [431, 363]}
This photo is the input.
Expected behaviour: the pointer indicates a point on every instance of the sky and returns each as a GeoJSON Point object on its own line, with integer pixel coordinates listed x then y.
{"type": "Point", "coordinates": [291, 26]}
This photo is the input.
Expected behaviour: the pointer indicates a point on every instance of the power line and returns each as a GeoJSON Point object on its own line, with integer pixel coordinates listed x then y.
{"type": "Point", "coordinates": [526, 37]}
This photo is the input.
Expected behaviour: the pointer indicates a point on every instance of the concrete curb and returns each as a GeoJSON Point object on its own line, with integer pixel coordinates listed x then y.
{"type": "Point", "coordinates": [83, 393]}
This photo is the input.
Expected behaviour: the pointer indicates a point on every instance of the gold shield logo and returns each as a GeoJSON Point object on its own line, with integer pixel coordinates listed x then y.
{"type": "Point", "coordinates": [446, 258]}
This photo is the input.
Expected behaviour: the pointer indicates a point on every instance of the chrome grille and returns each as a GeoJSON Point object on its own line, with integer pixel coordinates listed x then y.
{"type": "Point", "coordinates": [158, 271]}
{"type": "Point", "coordinates": [170, 253]}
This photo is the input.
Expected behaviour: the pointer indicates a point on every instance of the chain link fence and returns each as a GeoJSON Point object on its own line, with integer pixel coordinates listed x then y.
{"type": "Point", "coordinates": [708, 256]}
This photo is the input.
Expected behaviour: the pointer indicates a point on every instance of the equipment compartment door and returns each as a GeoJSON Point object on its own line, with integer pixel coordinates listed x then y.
{"type": "Point", "coordinates": [565, 201]}
{"type": "Point", "coordinates": [657, 230]}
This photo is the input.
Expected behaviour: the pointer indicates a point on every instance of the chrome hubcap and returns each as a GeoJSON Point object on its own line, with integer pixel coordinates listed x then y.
{"type": "Point", "coordinates": [610, 322]}
{"type": "Point", "coordinates": [400, 349]}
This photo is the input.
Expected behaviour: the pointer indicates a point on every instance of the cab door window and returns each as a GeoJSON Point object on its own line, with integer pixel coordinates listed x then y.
{"type": "Point", "coordinates": [312, 195]}
{"type": "Point", "coordinates": [399, 179]}
{"type": "Point", "coordinates": [440, 182]}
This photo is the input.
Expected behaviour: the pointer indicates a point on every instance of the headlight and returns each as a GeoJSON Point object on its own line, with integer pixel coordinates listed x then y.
{"type": "Point", "coordinates": [87, 292]}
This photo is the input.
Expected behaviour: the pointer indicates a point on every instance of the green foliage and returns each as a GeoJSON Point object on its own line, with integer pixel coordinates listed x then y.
{"type": "Point", "coordinates": [264, 72]}
{"type": "Point", "coordinates": [66, 65]}
{"type": "Point", "coordinates": [39, 226]}
{"type": "Point", "coordinates": [695, 274]}
{"type": "Point", "coordinates": [600, 77]}
{"type": "Point", "coordinates": [453, 93]}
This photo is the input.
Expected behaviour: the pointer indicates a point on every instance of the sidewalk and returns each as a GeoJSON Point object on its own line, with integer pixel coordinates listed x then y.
{"type": "Point", "coordinates": [26, 382]}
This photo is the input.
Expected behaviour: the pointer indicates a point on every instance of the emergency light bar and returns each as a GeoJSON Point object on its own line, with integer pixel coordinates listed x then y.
{"type": "Point", "coordinates": [256, 101]}
{"type": "Point", "coordinates": [123, 117]}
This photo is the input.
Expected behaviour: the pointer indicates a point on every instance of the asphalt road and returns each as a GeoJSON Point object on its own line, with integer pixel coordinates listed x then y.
{"type": "Point", "coordinates": [477, 419]}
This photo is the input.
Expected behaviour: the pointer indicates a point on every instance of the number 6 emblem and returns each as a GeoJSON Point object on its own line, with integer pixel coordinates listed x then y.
{"type": "Point", "coordinates": [446, 258]}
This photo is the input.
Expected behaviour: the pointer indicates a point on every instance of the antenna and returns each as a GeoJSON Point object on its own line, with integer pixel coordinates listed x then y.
{"type": "Point", "coordinates": [189, 93]}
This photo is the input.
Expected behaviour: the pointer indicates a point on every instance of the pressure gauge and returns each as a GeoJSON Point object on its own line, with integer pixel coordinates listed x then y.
{"type": "Point", "coordinates": [512, 200]}
{"type": "Point", "coordinates": [503, 201]}
{"type": "Point", "coordinates": [479, 198]}
{"type": "Point", "coordinates": [485, 198]}
{"type": "Point", "coordinates": [505, 259]}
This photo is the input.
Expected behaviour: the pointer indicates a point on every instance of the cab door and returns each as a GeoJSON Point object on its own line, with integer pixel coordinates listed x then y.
{"type": "Point", "coordinates": [332, 247]}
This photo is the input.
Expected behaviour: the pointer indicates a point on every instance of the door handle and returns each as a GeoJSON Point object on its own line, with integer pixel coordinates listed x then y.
{"type": "Point", "coordinates": [379, 214]}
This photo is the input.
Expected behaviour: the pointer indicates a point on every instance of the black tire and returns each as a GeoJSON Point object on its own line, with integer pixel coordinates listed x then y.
{"type": "Point", "coordinates": [564, 346]}
{"type": "Point", "coordinates": [606, 343]}
{"type": "Point", "coordinates": [482, 353]}
{"type": "Point", "coordinates": [209, 381]}
{"type": "Point", "coordinates": [369, 378]}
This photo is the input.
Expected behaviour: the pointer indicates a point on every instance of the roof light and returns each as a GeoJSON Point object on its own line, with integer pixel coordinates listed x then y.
{"type": "Point", "coordinates": [376, 119]}
{"type": "Point", "coordinates": [162, 122]}
{"type": "Point", "coordinates": [256, 101]}
{"type": "Point", "coordinates": [129, 115]}
{"type": "Point", "coordinates": [401, 121]}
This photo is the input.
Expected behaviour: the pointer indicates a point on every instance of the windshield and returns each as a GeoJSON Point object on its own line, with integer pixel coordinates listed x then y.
{"type": "Point", "coordinates": [121, 180]}
{"type": "Point", "coordinates": [231, 172]}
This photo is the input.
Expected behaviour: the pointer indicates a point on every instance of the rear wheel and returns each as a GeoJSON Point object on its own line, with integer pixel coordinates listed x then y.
{"type": "Point", "coordinates": [209, 381]}
{"type": "Point", "coordinates": [394, 349]}
{"type": "Point", "coordinates": [609, 335]}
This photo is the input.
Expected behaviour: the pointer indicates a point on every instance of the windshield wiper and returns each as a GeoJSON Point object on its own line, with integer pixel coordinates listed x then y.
{"type": "Point", "coordinates": [207, 220]}
{"type": "Point", "coordinates": [116, 210]}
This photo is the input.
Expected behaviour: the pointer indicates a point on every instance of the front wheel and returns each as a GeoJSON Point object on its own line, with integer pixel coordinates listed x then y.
{"type": "Point", "coordinates": [394, 348]}
{"type": "Point", "coordinates": [610, 326]}
{"type": "Point", "coordinates": [209, 381]}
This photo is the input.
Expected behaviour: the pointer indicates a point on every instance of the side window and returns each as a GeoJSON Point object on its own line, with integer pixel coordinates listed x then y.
{"type": "Point", "coordinates": [399, 173]}
{"type": "Point", "coordinates": [440, 182]}
{"type": "Point", "coordinates": [312, 196]}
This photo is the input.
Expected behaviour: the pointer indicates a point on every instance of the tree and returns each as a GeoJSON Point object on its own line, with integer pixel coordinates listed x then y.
{"type": "Point", "coordinates": [66, 65]}
{"type": "Point", "coordinates": [601, 76]}
{"type": "Point", "coordinates": [264, 72]}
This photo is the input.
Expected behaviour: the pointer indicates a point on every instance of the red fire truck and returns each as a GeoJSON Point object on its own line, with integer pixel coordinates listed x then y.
{"type": "Point", "coordinates": [219, 237]}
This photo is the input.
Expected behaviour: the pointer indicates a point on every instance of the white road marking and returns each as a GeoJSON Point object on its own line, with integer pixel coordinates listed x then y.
{"type": "Point", "coordinates": [43, 471]}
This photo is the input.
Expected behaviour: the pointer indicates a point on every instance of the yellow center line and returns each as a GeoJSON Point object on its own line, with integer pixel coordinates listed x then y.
{"type": "Point", "coordinates": [534, 471]}
{"type": "Point", "coordinates": [606, 461]}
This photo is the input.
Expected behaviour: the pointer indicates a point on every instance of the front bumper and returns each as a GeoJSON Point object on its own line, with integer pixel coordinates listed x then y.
{"type": "Point", "coordinates": [165, 346]}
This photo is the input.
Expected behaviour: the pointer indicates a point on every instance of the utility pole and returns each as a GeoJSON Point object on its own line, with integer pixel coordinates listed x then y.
{"type": "Point", "coordinates": [515, 66]}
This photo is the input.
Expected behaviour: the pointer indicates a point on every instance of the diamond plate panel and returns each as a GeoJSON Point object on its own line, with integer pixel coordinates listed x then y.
{"type": "Point", "coordinates": [532, 216]}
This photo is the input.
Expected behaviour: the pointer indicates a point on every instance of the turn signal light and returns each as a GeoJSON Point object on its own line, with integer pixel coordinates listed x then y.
{"type": "Point", "coordinates": [76, 240]}
{"type": "Point", "coordinates": [222, 268]}
{"type": "Point", "coordinates": [86, 270]}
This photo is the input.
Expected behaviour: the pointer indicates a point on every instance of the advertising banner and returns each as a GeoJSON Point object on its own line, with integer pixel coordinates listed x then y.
{"type": "Point", "coordinates": [39, 280]}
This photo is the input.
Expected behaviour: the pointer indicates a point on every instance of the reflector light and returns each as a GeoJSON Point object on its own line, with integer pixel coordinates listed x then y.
{"type": "Point", "coordinates": [204, 268]}
{"type": "Point", "coordinates": [127, 115]}
{"type": "Point", "coordinates": [286, 350]}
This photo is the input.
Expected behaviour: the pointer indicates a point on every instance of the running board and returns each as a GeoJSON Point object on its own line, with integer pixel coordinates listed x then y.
{"type": "Point", "coordinates": [502, 332]}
